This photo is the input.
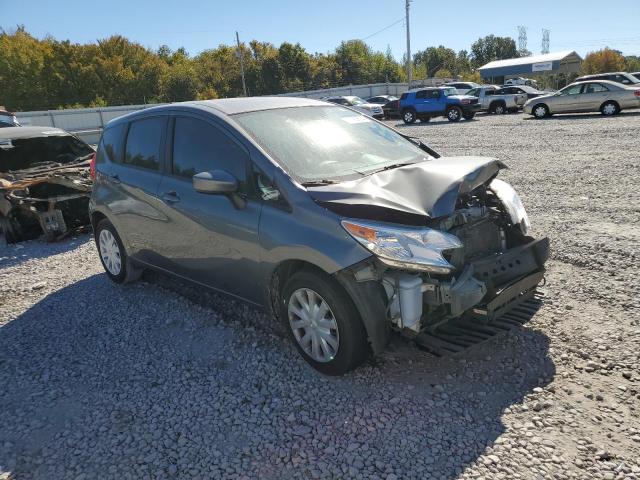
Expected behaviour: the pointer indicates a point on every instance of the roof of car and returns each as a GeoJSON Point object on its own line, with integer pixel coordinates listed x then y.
{"type": "Point", "coordinates": [606, 82]}
{"type": "Point", "coordinates": [11, 133]}
{"type": "Point", "coordinates": [603, 74]}
{"type": "Point", "coordinates": [227, 106]}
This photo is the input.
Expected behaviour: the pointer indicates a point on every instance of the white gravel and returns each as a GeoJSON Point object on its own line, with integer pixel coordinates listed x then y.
{"type": "Point", "coordinates": [106, 382]}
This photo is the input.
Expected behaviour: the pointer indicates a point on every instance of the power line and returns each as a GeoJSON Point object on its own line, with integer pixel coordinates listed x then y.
{"type": "Point", "coordinates": [383, 29]}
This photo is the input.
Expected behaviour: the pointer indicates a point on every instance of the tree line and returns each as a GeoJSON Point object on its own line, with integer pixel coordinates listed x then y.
{"type": "Point", "coordinates": [47, 73]}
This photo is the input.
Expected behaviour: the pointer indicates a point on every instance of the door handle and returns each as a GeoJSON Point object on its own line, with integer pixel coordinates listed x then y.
{"type": "Point", "coordinates": [170, 197]}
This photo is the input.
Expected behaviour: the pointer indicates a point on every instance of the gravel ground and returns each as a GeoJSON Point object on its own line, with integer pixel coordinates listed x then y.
{"type": "Point", "coordinates": [102, 381]}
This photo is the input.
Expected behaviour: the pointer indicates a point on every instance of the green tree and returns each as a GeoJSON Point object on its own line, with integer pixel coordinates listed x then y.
{"type": "Point", "coordinates": [490, 48]}
{"type": "Point", "coordinates": [434, 59]}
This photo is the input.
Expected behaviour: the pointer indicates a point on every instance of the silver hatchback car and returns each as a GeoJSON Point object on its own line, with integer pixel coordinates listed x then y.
{"type": "Point", "coordinates": [590, 96]}
{"type": "Point", "coordinates": [342, 227]}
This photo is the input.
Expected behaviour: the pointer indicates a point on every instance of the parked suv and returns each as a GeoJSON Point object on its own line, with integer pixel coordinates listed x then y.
{"type": "Point", "coordinates": [339, 225]}
{"type": "Point", "coordinates": [427, 103]}
{"type": "Point", "coordinates": [618, 77]}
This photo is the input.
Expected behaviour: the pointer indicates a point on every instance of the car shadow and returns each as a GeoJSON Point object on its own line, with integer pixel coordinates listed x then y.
{"type": "Point", "coordinates": [94, 362]}
{"type": "Point", "coordinates": [583, 116]}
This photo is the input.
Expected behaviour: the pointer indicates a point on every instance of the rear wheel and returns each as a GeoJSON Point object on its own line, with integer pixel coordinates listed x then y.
{"type": "Point", "coordinates": [115, 261]}
{"type": "Point", "coordinates": [540, 111]}
{"type": "Point", "coordinates": [498, 108]}
{"type": "Point", "coordinates": [409, 116]}
{"type": "Point", "coordinates": [454, 114]}
{"type": "Point", "coordinates": [610, 108]}
{"type": "Point", "coordinates": [323, 323]}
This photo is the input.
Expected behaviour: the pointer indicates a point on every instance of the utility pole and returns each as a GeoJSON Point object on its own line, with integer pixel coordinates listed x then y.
{"type": "Point", "coordinates": [239, 53]}
{"type": "Point", "coordinates": [409, 69]}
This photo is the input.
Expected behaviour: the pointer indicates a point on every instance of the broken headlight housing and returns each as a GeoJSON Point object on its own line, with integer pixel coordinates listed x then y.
{"type": "Point", "coordinates": [512, 203]}
{"type": "Point", "coordinates": [418, 249]}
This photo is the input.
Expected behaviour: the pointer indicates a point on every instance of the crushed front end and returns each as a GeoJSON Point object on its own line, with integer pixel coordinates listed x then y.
{"type": "Point", "coordinates": [465, 277]}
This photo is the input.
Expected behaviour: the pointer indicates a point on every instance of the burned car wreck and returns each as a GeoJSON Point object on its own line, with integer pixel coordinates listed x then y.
{"type": "Point", "coordinates": [45, 183]}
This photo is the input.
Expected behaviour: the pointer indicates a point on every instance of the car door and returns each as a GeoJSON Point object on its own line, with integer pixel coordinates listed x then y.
{"type": "Point", "coordinates": [211, 238]}
{"type": "Point", "coordinates": [569, 99]}
{"type": "Point", "coordinates": [132, 181]}
{"type": "Point", "coordinates": [431, 102]}
{"type": "Point", "coordinates": [595, 94]}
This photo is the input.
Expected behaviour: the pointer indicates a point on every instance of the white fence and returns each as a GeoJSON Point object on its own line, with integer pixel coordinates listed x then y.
{"type": "Point", "coordinates": [87, 123]}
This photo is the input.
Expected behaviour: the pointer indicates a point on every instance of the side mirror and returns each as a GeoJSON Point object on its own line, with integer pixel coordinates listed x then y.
{"type": "Point", "coordinates": [215, 181]}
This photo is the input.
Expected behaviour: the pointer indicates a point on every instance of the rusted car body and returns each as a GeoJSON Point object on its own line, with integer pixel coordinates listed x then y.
{"type": "Point", "coordinates": [45, 183]}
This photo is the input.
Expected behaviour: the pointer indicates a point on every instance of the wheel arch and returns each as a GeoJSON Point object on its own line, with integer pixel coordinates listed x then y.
{"type": "Point", "coordinates": [610, 101]}
{"type": "Point", "coordinates": [367, 297]}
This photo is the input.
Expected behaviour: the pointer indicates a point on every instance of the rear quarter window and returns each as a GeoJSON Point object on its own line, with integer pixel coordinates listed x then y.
{"type": "Point", "coordinates": [110, 147]}
{"type": "Point", "coordinates": [144, 143]}
{"type": "Point", "coordinates": [404, 96]}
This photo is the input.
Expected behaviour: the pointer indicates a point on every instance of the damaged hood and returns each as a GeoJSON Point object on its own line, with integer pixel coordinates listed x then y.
{"type": "Point", "coordinates": [426, 189]}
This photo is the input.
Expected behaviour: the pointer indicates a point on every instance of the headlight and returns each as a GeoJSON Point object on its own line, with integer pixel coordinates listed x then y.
{"type": "Point", "coordinates": [408, 248]}
{"type": "Point", "coordinates": [511, 201]}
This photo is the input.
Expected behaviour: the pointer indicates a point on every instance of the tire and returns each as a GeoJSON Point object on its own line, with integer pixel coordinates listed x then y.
{"type": "Point", "coordinates": [609, 108]}
{"type": "Point", "coordinates": [345, 342]}
{"type": "Point", "coordinates": [498, 108]}
{"type": "Point", "coordinates": [9, 230]}
{"type": "Point", "coordinates": [409, 116]}
{"type": "Point", "coordinates": [113, 256]}
{"type": "Point", "coordinates": [469, 116]}
{"type": "Point", "coordinates": [540, 111]}
{"type": "Point", "coordinates": [454, 114]}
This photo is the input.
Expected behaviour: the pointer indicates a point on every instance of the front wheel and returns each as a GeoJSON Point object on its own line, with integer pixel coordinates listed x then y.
{"type": "Point", "coordinates": [540, 111]}
{"type": "Point", "coordinates": [609, 108]}
{"type": "Point", "coordinates": [409, 117]}
{"type": "Point", "coordinates": [454, 114]}
{"type": "Point", "coordinates": [323, 323]}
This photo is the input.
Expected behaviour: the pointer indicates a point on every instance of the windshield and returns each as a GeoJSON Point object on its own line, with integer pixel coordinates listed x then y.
{"type": "Point", "coordinates": [22, 153]}
{"type": "Point", "coordinates": [8, 121]}
{"type": "Point", "coordinates": [356, 101]}
{"type": "Point", "coordinates": [328, 143]}
{"type": "Point", "coordinates": [450, 91]}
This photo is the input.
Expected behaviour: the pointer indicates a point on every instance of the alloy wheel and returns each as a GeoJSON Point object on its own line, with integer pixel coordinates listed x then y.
{"type": "Point", "coordinates": [408, 117]}
{"type": "Point", "coordinates": [609, 109]}
{"type": "Point", "coordinates": [313, 325]}
{"type": "Point", "coordinates": [453, 114]}
{"type": "Point", "coordinates": [110, 252]}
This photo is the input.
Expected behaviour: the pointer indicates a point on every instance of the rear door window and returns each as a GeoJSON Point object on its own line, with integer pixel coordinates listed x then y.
{"type": "Point", "coordinates": [421, 94]}
{"type": "Point", "coordinates": [199, 147]}
{"type": "Point", "coordinates": [144, 142]}
{"type": "Point", "coordinates": [596, 88]}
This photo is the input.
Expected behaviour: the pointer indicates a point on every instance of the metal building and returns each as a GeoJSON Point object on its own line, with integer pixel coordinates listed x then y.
{"type": "Point", "coordinates": [559, 63]}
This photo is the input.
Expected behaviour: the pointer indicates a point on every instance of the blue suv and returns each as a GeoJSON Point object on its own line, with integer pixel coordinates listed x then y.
{"type": "Point", "coordinates": [426, 103]}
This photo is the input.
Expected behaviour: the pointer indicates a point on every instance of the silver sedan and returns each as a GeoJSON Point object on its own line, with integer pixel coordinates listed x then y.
{"type": "Point", "coordinates": [590, 96]}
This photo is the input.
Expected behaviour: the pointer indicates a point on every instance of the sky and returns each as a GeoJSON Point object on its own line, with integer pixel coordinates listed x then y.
{"type": "Point", "coordinates": [319, 26]}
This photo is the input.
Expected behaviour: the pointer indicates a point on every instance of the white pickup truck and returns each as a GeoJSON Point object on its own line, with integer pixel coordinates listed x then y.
{"type": "Point", "coordinates": [492, 101]}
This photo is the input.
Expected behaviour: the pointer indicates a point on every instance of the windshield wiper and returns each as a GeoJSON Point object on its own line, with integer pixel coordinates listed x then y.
{"type": "Point", "coordinates": [390, 167]}
{"type": "Point", "coordinates": [315, 183]}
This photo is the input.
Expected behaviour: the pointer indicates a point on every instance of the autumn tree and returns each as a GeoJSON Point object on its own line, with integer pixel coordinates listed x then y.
{"type": "Point", "coordinates": [605, 60]}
